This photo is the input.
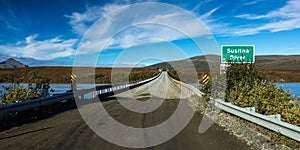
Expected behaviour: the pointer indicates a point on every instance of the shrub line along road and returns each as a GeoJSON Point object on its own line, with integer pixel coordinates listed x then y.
{"type": "Point", "coordinates": [67, 130]}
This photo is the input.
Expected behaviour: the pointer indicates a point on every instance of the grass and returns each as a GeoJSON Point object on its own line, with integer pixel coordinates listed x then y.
{"type": "Point", "coordinates": [103, 75]}
{"type": "Point", "coordinates": [62, 74]}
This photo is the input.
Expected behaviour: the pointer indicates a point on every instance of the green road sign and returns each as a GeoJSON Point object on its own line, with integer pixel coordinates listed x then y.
{"type": "Point", "coordinates": [238, 54]}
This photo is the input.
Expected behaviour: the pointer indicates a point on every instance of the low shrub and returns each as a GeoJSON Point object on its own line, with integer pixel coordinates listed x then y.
{"type": "Point", "coordinates": [17, 92]}
{"type": "Point", "coordinates": [246, 88]}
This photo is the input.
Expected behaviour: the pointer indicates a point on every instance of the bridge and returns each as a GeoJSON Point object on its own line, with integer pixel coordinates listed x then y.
{"type": "Point", "coordinates": [138, 105]}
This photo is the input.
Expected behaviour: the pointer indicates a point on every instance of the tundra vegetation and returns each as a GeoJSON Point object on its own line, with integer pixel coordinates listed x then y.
{"type": "Point", "coordinates": [37, 87]}
{"type": "Point", "coordinates": [38, 80]}
{"type": "Point", "coordinates": [246, 87]}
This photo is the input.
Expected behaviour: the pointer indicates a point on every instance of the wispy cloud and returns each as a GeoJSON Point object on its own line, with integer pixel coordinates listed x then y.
{"type": "Point", "coordinates": [290, 11]}
{"type": "Point", "coordinates": [40, 49]}
{"type": "Point", "coordinates": [80, 22]}
{"type": "Point", "coordinates": [253, 2]}
{"type": "Point", "coordinates": [200, 4]}
{"type": "Point", "coordinates": [282, 19]}
{"type": "Point", "coordinates": [208, 14]}
{"type": "Point", "coordinates": [152, 30]}
{"type": "Point", "coordinates": [8, 17]}
{"type": "Point", "coordinates": [290, 49]}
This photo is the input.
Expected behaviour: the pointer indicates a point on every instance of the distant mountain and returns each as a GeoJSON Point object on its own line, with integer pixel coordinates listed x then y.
{"type": "Point", "coordinates": [35, 62]}
{"type": "Point", "coordinates": [266, 61]}
{"type": "Point", "coordinates": [11, 63]}
{"type": "Point", "coordinates": [38, 63]}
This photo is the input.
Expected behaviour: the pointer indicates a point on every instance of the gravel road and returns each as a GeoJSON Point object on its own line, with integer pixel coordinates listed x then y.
{"type": "Point", "coordinates": [67, 130]}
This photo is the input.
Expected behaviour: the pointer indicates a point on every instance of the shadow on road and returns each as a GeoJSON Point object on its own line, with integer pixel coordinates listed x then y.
{"type": "Point", "coordinates": [28, 132]}
{"type": "Point", "coordinates": [40, 113]}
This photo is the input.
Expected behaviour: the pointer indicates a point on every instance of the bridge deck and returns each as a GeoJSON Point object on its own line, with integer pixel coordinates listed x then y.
{"type": "Point", "coordinates": [68, 131]}
{"type": "Point", "coordinates": [158, 100]}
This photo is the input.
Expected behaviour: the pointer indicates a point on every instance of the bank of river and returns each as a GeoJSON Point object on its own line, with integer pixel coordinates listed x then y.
{"type": "Point", "coordinates": [58, 88]}
{"type": "Point", "coordinates": [61, 88]}
{"type": "Point", "coordinates": [294, 87]}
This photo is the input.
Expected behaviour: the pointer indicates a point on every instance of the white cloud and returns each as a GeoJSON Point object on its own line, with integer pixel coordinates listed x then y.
{"type": "Point", "coordinates": [147, 26]}
{"type": "Point", "coordinates": [30, 38]}
{"type": "Point", "coordinates": [282, 19]}
{"type": "Point", "coordinates": [290, 11]}
{"type": "Point", "coordinates": [41, 49]}
{"type": "Point", "coordinates": [290, 49]}
{"type": "Point", "coordinates": [253, 2]}
{"type": "Point", "coordinates": [208, 14]}
{"type": "Point", "coordinates": [211, 22]}
{"type": "Point", "coordinates": [8, 17]}
{"type": "Point", "coordinates": [200, 4]}
{"type": "Point", "coordinates": [144, 34]}
{"type": "Point", "coordinates": [250, 16]}
{"type": "Point", "coordinates": [80, 22]}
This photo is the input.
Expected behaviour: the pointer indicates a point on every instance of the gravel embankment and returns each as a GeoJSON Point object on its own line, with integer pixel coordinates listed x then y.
{"type": "Point", "coordinates": [252, 134]}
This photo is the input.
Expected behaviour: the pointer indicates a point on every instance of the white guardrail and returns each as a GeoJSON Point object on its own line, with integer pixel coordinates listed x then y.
{"type": "Point", "coordinates": [98, 90]}
{"type": "Point", "coordinates": [271, 122]}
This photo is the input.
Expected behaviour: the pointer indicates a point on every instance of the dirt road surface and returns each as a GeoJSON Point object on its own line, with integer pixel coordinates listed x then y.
{"type": "Point", "coordinates": [67, 130]}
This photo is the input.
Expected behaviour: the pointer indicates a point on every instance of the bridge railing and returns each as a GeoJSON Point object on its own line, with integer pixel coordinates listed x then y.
{"type": "Point", "coordinates": [271, 122]}
{"type": "Point", "coordinates": [188, 87]}
{"type": "Point", "coordinates": [102, 90]}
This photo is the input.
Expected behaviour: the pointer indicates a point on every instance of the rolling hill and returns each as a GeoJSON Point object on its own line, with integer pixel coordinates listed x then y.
{"type": "Point", "coordinates": [35, 62]}
{"type": "Point", "coordinates": [265, 61]}
{"type": "Point", "coordinates": [273, 67]}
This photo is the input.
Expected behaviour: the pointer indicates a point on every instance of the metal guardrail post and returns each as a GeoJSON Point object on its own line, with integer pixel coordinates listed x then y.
{"type": "Point", "coordinates": [268, 122]}
{"type": "Point", "coordinates": [29, 104]}
{"type": "Point", "coordinates": [82, 97]}
{"type": "Point", "coordinates": [93, 94]}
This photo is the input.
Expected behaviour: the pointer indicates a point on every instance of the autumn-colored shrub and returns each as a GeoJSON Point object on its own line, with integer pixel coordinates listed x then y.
{"type": "Point", "coordinates": [246, 88]}
{"type": "Point", "coordinates": [39, 87]}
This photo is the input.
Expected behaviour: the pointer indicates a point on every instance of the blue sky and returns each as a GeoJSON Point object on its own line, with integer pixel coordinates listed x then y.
{"type": "Point", "coordinates": [53, 29]}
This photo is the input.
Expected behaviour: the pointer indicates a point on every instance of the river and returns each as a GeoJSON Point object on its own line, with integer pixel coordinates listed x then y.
{"type": "Point", "coordinates": [58, 88]}
{"type": "Point", "coordinates": [293, 87]}
{"type": "Point", "coordinates": [61, 88]}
